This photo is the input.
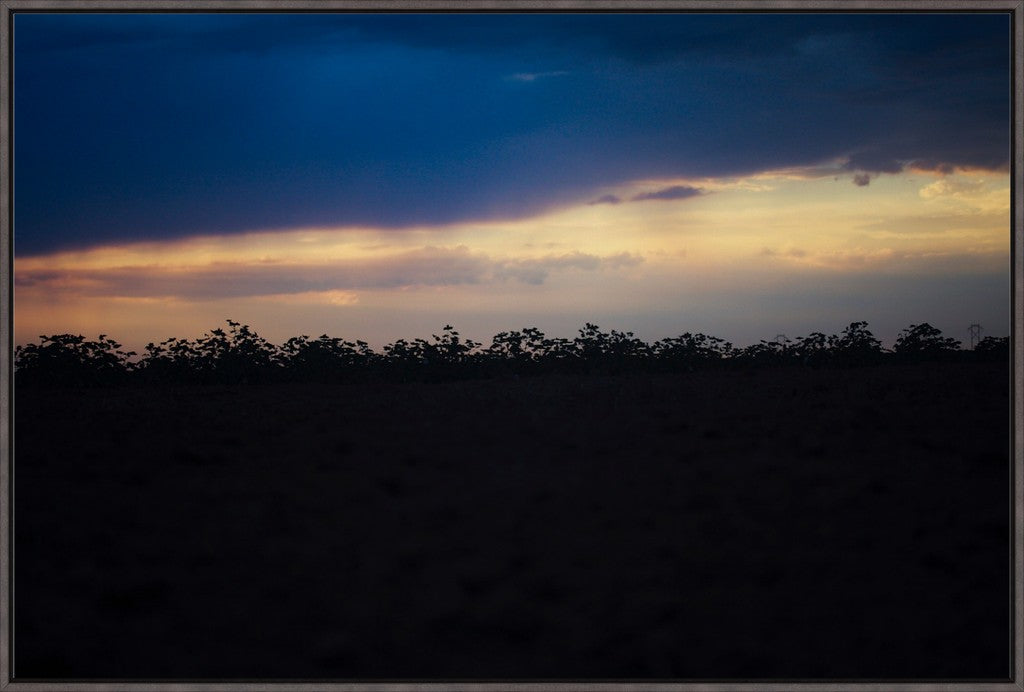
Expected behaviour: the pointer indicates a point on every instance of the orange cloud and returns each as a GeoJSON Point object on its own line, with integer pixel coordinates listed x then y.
{"type": "Point", "coordinates": [427, 266]}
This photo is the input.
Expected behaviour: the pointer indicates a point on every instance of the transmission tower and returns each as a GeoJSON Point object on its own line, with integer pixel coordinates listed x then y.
{"type": "Point", "coordinates": [975, 331]}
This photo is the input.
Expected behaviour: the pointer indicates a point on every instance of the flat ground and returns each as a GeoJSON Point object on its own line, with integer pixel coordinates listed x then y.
{"type": "Point", "coordinates": [763, 524]}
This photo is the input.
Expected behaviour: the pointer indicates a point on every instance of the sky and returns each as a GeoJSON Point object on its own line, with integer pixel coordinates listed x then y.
{"type": "Point", "coordinates": [377, 176]}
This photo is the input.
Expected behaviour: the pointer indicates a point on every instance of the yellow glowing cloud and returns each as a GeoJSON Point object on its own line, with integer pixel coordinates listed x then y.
{"type": "Point", "coordinates": [332, 297]}
{"type": "Point", "coordinates": [653, 245]}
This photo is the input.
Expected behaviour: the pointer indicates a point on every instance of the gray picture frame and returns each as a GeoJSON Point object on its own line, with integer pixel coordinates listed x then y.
{"type": "Point", "coordinates": [7, 522]}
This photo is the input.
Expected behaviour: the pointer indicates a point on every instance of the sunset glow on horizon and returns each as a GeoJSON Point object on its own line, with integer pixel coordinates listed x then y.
{"type": "Point", "coordinates": [900, 221]}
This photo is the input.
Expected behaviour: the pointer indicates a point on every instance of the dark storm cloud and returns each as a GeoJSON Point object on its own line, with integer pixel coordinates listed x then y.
{"type": "Point", "coordinates": [670, 193]}
{"type": "Point", "coordinates": [141, 126]}
{"type": "Point", "coordinates": [861, 179]}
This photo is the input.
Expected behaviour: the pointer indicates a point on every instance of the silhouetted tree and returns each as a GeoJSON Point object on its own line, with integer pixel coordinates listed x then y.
{"type": "Point", "coordinates": [240, 355]}
{"type": "Point", "coordinates": [690, 352]}
{"type": "Point", "coordinates": [449, 356]}
{"type": "Point", "coordinates": [993, 348]}
{"type": "Point", "coordinates": [815, 349]}
{"type": "Point", "coordinates": [924, 341]}
{"type": "Point", "coordinates": [326, 359]}
{"type": "Point", "coordinates": [856, 346]}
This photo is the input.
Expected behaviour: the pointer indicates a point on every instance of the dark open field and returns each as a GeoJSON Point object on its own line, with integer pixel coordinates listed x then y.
{"type": "Point", "coordinates": [769, 523]}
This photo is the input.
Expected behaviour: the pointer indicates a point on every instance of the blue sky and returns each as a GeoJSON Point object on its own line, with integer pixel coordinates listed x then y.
{"type": "Point", "coordinates": [143, 128]}
{"type": "Point", "coordinates": [155, 126]}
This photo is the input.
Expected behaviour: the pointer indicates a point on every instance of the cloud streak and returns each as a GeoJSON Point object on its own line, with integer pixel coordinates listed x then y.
{"type": "Point", "coordinates": [423, 267]}
{"type": "Point", "coordinates": [670, 193]}
{"type": "Point", "coordinates": [534, 76]}
{"type": "Point", "coordinates": [536, 271]}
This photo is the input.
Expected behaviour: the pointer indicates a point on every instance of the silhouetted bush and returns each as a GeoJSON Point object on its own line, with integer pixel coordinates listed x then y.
{"type": "Point", "coordinates": [856, 346]}
{"type": "Point", "coordinates": [239, 355]}
{"type": "Point", "coordinates": [516, 353]}
{"type": "Point", "coordinates": [70, 360]}
{"type": "Point", "coordinates": [993, 348]}
{"type": "Point", "coordinates": [923, 341]}
{"type": "Point", "coordinates": [815, 349]}
{"type": "Point", "coordinates": [325, 359]}
{"type": "Point", "coordinates": [690, 352]}
{"type": "Point", "coordinates": [765, 354]}
{"type": "Point", "coordinates": [608, 352]}
{"type": "Point", "coordinates": [447, 357]}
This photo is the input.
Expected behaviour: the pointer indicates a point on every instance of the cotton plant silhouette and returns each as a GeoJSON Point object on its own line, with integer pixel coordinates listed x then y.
{"type": "Point", "coordinates": [238, 355]}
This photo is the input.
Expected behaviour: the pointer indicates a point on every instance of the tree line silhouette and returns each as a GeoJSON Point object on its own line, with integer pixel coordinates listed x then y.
{"type": "Point", "coordinates": [240, 355]}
